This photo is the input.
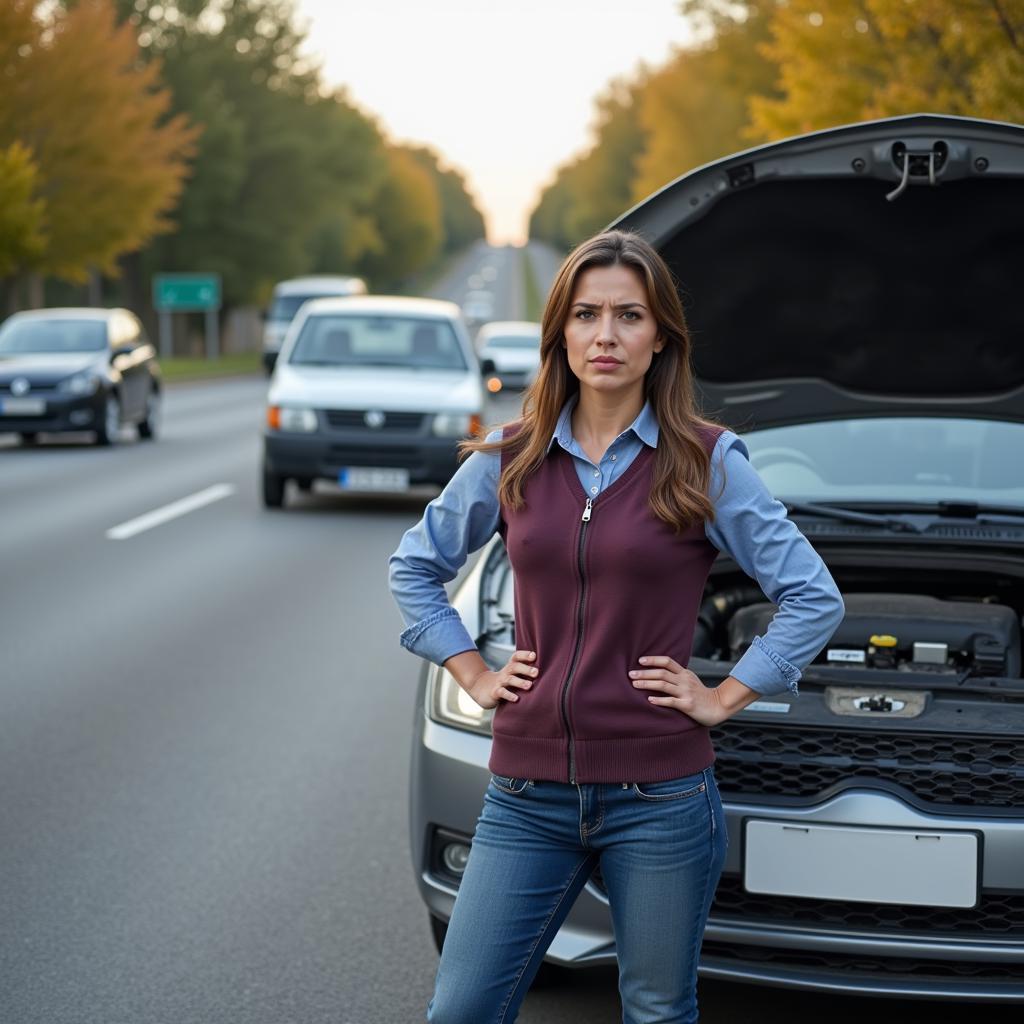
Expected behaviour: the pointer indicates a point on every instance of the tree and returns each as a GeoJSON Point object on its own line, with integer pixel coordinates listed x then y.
{"type": "Point", "coordinates": [22, 239]}
{"type": "Point", "coordinates": [853, 60]}
{"type": "Point", "coordinates": [108, 161]}
{"type": "Point", "coordinates": [461, 221]}
{"type": "Point", "coordinates": [407, 212]}
{"type": "Point", "coordinates": [695, 109]}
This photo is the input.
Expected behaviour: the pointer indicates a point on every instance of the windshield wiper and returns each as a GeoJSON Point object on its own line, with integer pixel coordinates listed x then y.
{"type": "Point", "coordinates": [852, 516]}
{"type": "Point", "coordinates": [979, 512]}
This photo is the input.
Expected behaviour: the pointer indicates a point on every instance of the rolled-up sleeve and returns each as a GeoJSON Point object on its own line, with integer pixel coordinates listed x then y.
{"type": "Point", "coordinates": [460, 520]}
{"type": "Point", "coordinates": [753, 528]}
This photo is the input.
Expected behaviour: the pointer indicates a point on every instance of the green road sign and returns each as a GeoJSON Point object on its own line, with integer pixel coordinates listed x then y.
{"type": "Point", "coordinates": [176, 293]}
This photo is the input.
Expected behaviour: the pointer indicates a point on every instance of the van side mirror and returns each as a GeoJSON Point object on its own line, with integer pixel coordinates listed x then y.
{"type": "Point", "coordinates": [487, 367]}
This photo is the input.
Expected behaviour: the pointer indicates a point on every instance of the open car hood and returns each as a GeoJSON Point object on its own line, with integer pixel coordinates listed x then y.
{"type": "Point", "coordinates": [816, 287]}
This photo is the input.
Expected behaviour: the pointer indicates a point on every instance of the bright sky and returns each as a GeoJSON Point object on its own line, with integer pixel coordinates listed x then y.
{"type": "Point", "coordinates": [502, 89]}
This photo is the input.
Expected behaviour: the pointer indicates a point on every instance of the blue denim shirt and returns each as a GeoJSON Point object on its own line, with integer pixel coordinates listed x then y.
{"type": "Point", "coordinates": [750, 526]}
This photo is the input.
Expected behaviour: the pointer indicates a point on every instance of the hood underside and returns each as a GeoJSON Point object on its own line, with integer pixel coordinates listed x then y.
{"type": "Point", "coordinates": [809, 293]}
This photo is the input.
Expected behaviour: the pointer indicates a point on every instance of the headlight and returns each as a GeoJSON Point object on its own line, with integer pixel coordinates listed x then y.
{"type": "Point", "coordinates": [80, 384]}
{"type": "Point", "coordinates": [450, 704]}
{"type": "Point", "coordinates": [284, 417]}
{"type": "Point", "coordinates": [456, 424]}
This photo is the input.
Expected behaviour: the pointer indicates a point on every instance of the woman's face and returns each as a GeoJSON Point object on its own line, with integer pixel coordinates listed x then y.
{"type": "Point", "coordinates": [611, 335]}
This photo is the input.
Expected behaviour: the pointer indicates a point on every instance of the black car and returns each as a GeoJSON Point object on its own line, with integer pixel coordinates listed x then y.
{"type": "Point", "coordinates": [65, 370]}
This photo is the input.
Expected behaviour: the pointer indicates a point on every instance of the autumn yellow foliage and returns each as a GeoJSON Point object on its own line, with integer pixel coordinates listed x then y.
{"type": "Point", "coordinates": [108, 163]}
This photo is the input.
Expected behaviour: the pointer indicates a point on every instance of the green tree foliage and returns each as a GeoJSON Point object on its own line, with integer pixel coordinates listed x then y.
{"type": "Point", "coordinates": [22, 240]}
{"type": "Point", "coordinates": [462, 221]}
{"type": "Point", "coordinates": [86, 129]}
{"type": "Point", "coordinates": [289, 178]}
{"type": "Point", "coordinates": [407, 213]}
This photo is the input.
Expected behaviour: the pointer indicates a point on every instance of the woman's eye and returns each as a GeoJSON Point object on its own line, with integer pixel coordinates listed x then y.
{"type": "Point", "coordinates": [632, 314]}
{"type": "Point", "coordinates": [582, 314]}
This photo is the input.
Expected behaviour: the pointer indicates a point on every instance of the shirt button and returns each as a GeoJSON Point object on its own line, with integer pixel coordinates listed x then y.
{"type": "Point", "coordinates": [593, 490]}
{"type": "Point", "coordinates": [597, 472]}
{"type": "Point", "coordinates": [614, 457]}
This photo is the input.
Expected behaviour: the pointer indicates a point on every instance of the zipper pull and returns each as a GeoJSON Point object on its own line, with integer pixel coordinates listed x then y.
{"type": "Point", "coordinates": [586, 511]}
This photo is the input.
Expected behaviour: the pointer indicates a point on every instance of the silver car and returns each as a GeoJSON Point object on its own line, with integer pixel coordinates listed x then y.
{"type": "Point", "coordinates": [855, 314]}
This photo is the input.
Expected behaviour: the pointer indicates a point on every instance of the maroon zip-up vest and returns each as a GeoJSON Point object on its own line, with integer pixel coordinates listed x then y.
{"type": "Point", "coordinates": [593, 593]}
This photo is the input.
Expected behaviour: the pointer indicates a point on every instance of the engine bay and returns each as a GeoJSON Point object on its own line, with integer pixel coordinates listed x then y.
{"type": "Point", "coordinates": [906, 632]}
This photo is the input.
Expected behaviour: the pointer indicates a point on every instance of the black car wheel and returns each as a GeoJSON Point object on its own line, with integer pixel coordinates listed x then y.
{"type": "Point", "coordinates": [109, 428]}
{"type": "Point", "coordinates": [149, 427]}
{"type": "Point", "coordinates": [273, 489]}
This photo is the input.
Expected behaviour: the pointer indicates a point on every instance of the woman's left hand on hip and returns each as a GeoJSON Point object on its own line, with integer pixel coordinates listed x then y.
{"type": "Point", "coordinates": [678, 688]}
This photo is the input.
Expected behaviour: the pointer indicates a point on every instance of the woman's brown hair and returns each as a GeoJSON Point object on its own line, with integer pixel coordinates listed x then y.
{"type": "Point", "coordinates": [682, 466]}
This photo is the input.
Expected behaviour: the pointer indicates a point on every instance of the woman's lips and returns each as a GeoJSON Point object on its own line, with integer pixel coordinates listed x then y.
{"type": "Point", "coordinates": [606, 364]}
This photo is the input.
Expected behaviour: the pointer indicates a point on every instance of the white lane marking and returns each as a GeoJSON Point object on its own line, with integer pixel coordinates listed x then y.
{"type": "Point", "coordinates": [172, 511]}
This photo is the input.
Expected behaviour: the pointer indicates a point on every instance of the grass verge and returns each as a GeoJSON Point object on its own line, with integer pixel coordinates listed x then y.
{"type": "Point", "coordinates": [181, 368]}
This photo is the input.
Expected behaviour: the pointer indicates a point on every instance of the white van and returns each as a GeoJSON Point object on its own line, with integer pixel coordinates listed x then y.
{"type": "Point", "coordinates": [287, 300]}
{"type": "Point", "coordinates": [371, 393]}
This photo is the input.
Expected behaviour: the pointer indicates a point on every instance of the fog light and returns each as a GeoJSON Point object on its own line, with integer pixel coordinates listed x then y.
{"type": "Point", "coordinates": [454, 857]}
{"type": "Point", "coordinates": [80, 416]}
{"type": "Point", "coordinates": [493, 385]}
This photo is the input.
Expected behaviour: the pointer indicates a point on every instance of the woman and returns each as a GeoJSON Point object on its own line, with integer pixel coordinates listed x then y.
{"type": "Point", "coordinates": [613, 497]}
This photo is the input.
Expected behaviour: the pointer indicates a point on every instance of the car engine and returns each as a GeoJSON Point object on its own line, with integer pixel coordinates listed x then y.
{"type": "Point", "coordinates": [906, 632]}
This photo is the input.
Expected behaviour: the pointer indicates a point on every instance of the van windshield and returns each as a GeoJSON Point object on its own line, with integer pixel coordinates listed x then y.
{"type": "Point", "coordinates": [284, 307]}
{"type": "Point", "coordinates": [347, 340]}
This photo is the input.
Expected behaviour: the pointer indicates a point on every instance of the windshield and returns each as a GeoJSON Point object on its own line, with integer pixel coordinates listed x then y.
{"type": "Point", "coordinates": [893, 460]}
{"type": "Point", "coordinates": [415, 342]}
{"type": "Point", "coordinates": [518, 341]}
{"type": "Point", "coordinates": [23, 336]}
{"type": "Point", "coordinates": [284, 307]}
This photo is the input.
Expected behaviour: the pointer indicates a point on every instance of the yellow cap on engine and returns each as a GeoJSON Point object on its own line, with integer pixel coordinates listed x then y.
{"type": "Point", "coordinates": [883, 640]}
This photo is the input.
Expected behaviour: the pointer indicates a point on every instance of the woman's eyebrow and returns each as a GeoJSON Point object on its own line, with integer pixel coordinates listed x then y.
{"type": "Point", "coordinates": [621, 305]}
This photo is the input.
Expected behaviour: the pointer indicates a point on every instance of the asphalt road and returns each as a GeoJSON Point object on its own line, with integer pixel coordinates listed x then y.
{"type": "Point", "coordinates": [203, 746]}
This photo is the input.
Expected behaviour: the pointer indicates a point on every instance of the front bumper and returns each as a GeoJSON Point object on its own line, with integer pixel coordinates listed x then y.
{"type": "Point", "coordinates": [323, 454]}
{"type": "Point", "coordinates": [61, 414]}
{"type": "Point", "coordinates": [821, 945]}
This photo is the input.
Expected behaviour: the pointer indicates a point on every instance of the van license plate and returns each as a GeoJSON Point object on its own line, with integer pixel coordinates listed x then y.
{"type": "Point", "coordinates": [371, 478]}
{"type": "Point", "coordinates": [875, 865]}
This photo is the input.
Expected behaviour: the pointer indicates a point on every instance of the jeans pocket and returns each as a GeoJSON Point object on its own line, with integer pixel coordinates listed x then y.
{"type": "Point", "coordinates": [671, 789]}
{"type": "Point", "coordinates": [510, 785]}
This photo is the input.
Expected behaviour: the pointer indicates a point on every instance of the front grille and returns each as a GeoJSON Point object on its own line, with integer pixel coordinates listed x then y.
{"type": "Point", "coordinates": [935, 769]}
{"type": "Point", "coordinates": [353, 419]}
{"type": "Point", "coordinates": [882, 968]}
{"type": "Point", "coordinates": [998, 915]}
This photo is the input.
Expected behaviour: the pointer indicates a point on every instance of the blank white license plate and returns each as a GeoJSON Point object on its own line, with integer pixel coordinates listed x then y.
{"type": "Point", "coordinates": [874, 865]}
{"type": "Point", "coordinates": [22, 407]}
{"type": "Point", "coordinates": [370, 478]}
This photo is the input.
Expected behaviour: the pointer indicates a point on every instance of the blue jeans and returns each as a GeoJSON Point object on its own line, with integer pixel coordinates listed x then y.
{"type": "Point", "coordinates": [661, 847]}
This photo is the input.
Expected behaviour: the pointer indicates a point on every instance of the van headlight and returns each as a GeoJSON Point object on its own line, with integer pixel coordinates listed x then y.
{"type": "Point", "coordinates": [449, 704]}
{"type": "Point", "coordinates": [456, 424]}
{"type": "Point", "coordinates": [291, 418]}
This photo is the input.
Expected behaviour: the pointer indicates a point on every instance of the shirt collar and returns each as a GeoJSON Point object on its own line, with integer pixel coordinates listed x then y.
{"type": "Point", "coordinates": [645, 426]}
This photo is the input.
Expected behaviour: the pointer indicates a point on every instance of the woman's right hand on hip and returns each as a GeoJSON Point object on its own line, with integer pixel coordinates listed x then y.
{"type": "Point", "coordinates": [518, 674]}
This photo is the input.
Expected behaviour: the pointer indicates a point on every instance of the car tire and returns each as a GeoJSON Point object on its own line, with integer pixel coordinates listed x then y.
{"type": "Point", "coordinates": [273, 489]}
{"type": "Point", "coordinates": [548, 974]}
{"type": "Point", "coordinates": [29, 437]}
{"type": "Point", "coordinates": [149, 426]}
{"type": "Point", "coordinates": [108, 430]}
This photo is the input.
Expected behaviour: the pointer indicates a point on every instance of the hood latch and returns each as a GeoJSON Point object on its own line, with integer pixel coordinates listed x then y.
{"type": "Point", "coordinates": [917, 163]}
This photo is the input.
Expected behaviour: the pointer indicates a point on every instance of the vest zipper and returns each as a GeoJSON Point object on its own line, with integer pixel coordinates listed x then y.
{"type": "Point", "coordinates": [585, 520]}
